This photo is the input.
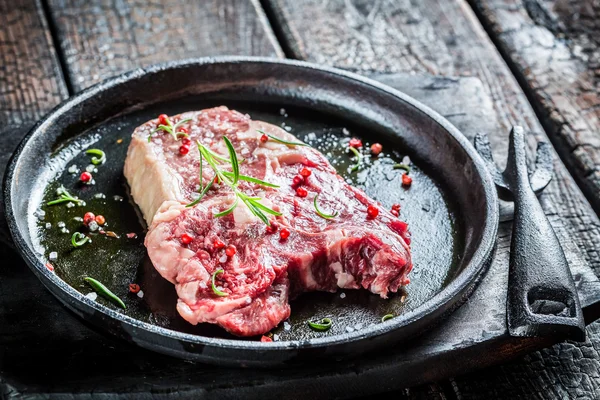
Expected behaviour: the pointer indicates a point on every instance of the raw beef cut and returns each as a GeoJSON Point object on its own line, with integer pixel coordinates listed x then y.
{"type": "Point", "coordinates": [257, 268]}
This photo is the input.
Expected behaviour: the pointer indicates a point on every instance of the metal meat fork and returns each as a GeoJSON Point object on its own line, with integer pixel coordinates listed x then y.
{"type": "Point", "coordinates": [542, 299]}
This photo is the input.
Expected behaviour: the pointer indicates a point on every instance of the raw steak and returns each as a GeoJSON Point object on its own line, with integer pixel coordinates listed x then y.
{"type": "Point", "coordinates": [348, 251]}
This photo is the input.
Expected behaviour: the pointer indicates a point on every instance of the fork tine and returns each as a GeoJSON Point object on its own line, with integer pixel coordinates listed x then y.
{"type": "Point", "coordinates": [483, 147]}
{"type": "Point", "coordinates": [544, 167]}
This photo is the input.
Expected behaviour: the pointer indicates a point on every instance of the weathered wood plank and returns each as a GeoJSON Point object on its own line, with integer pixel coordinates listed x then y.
{"type": "Point", "coordinates": [553, 46]}
{"type": "Point", "coordinates": [103, 38]}
{"type": "Point", "coordinates": [444, 37]}
{"type": "Point", "coordinates": [566, 371]}
{"type": "Point", "coordinates": [31, 82]}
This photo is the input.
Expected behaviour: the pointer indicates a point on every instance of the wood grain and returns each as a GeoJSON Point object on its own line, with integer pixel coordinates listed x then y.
{"type": "Point", "coordinates": [553, 46]}
{"type": "Point", "coordinates": [31, 82]}
{"type": "Point", "coordinates": [445, 37]}
{"type": "Point", "coordinates": [102, 38]}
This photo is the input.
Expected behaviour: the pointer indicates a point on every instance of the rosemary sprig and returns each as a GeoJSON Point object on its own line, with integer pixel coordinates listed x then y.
{"type": "Point", "coordinates": [204, 190]}
{"type": "Point", "coordinates": [251, 179]}
{"type": "Point", "coordinates": [322, 214]}
{"type": "Point", "coordinates": [287, 143]}
{"type": "Point", "coordinates": [64, 197]}
{"type": "Point", "coordinates": [358, 158]}
{"type": "Point", "coordinates": [232, 179]}
{"type": "Point", "coordinates": [229, 210]}
{"type": "Point", "coordinates": [97, 152]}
{"type": "Point", "coordinates": [170, 129]}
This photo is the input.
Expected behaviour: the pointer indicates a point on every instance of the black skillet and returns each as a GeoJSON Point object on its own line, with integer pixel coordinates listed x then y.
{"type": "Point", "coordinates": [451, 206]}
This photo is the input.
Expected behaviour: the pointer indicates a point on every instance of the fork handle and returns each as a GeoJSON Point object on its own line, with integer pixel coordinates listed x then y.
{"type": "Point", "coordinates": [542, 298]}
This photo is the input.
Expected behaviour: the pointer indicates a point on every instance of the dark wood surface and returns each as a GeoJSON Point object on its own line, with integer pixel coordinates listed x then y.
{"type": "Point", "coordinates": [437, 37]}
{"type": "Point", "coordinates": [100, 39]}
{"type": "Point", "coordinates": [553, 47]}
{"type": "Point", "coordinates": [30, 77]}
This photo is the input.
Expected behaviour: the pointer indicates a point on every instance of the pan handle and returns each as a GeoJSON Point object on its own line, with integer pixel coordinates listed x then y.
{"type": "Point", "coordinates": [542, 299]}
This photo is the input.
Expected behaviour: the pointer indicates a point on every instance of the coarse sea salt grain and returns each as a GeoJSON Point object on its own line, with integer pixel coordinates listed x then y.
{"type": "Point", "coordinates": [91, 168]}
{"type": "Point", "coordinates": [48, 225]}
{"type": "Point", "coordinates": [342, 295]}
{"type": "Point", "coordinates": [275, 337]}
{"type": "Point", "coordinates": [60, 224]}
{"type": "Point", "coordinates": [426, 206]}
{"type": "Point", "coordinates": [349, 329]}
{"type": "Point", "coordinates": [92, 296]}
{"type": "Point", "coordinates": [140, 294]}
{"type": "Point", "coordinates": [70, 205]}
{"type": "Point", "coordinates": [53, 256]}
{"type": "Point", "coordinates": [287, 326]}
{"type": "Point", "coordinates": [73, 169]}
{"type": "Point", "coordinates": [223, 258]}
{"type": "Point", "coordinates": [93, 226]}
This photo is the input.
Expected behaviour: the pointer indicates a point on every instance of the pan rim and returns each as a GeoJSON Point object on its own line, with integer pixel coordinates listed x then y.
{"type": "Point", "coordinates": [468, 277]}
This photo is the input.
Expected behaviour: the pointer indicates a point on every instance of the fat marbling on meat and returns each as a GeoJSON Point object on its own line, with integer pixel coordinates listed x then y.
{"type": "Point", "coordinates": [349, 251]}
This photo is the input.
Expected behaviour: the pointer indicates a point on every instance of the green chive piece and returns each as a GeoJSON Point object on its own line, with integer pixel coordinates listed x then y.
{"type": "Point", "coordinates": [99, 157]}
{"type": "Point", "coordinates": [287, 143]}
{"type": "Point", "coordinates": [104, 291]}
{"type": "Point", "coordinates": [358, 158]}
{"type": "Point", "coordinates": [386, 317]}
{"type": "Point", "coordinates": [320, 326]}
{"type": "Point", "coordinates": [79, 239]}
{"type": "Point", "coordinates": [402, 166]}
{"type": "Point", "coordinates": [322, 214]}
{"type": "Point", "coordinates": [214, 288]}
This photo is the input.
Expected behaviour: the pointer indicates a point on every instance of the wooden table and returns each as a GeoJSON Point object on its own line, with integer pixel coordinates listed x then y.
{"type": "Point", "coordinates": [539, 60]}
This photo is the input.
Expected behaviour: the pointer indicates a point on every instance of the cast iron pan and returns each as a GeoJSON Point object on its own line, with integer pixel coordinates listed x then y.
{"type": "Point", "coordinates": [451, 206]}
